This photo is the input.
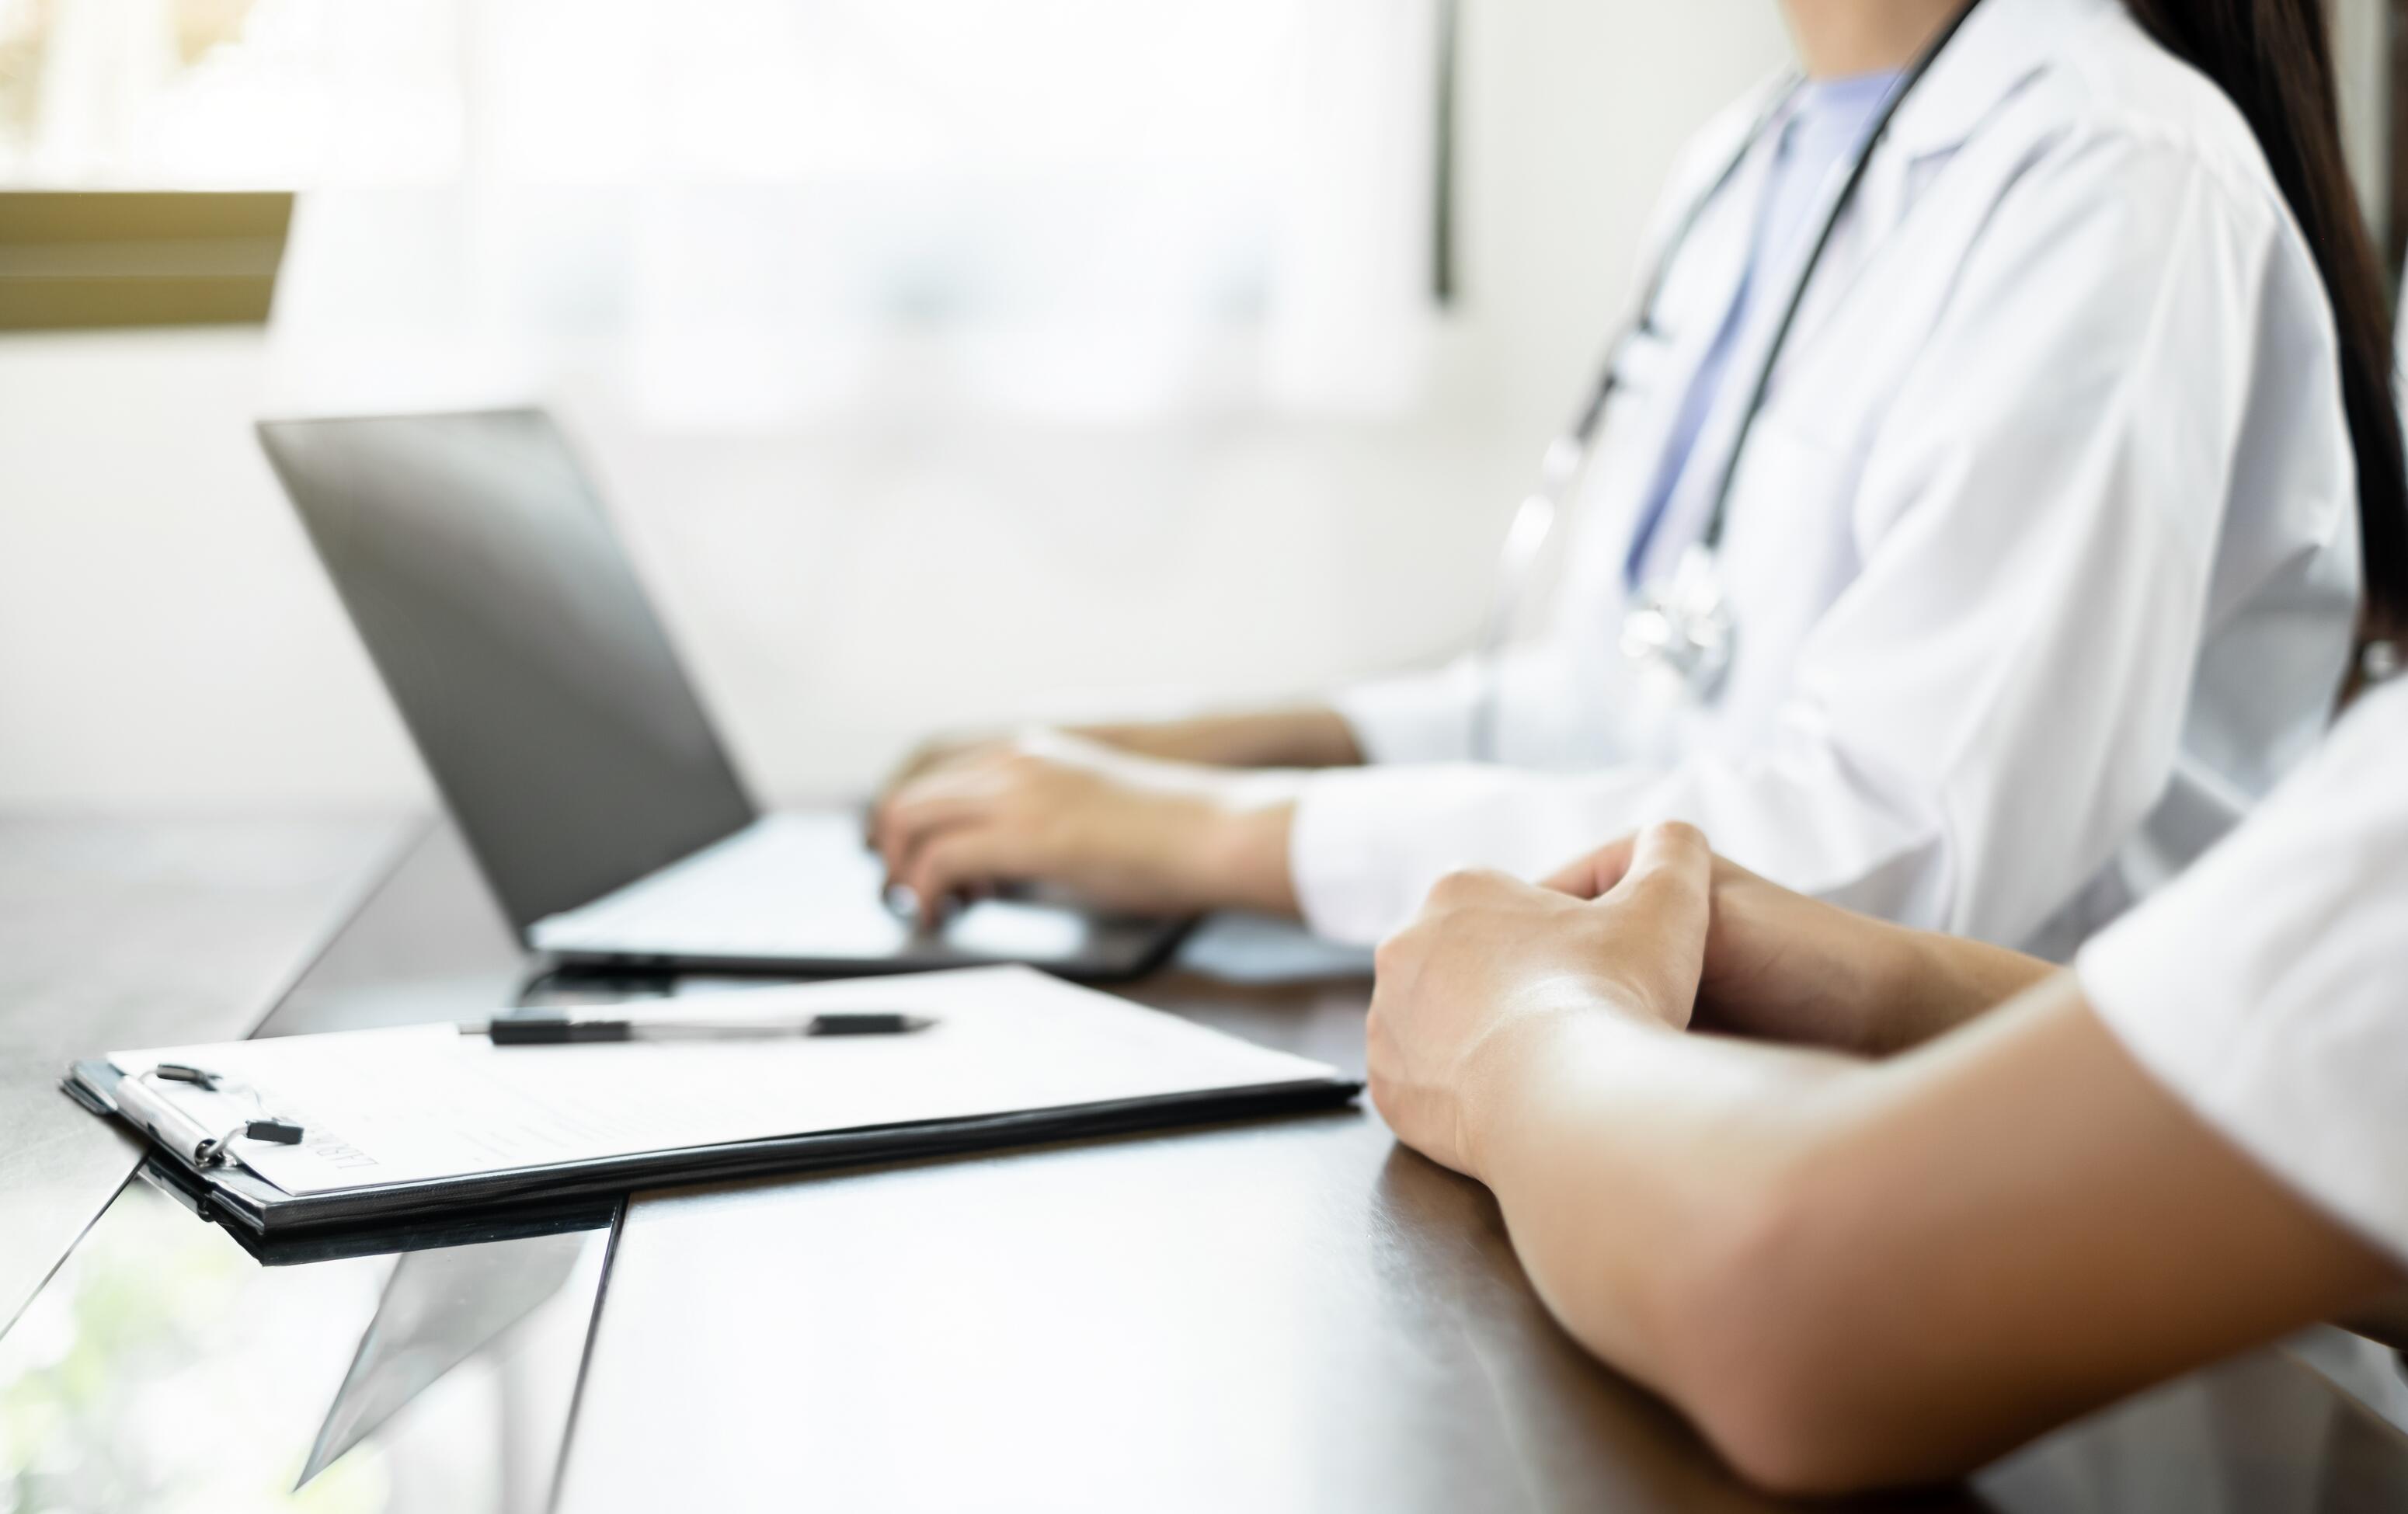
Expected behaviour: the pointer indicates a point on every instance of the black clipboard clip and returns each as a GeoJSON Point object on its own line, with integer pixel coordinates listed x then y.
{"type": "Point", "coordinates": [143, 1099]}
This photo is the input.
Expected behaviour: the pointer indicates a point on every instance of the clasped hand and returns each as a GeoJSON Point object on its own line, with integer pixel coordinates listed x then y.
{"type": "Point", "coordinates": [1654, 927]}
{"type": "Point", "coordinates": [1493, 964]}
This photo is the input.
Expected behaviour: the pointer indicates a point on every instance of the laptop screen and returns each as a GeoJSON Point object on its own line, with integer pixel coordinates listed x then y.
{"type": "Point", "coordinates": [538, 683]}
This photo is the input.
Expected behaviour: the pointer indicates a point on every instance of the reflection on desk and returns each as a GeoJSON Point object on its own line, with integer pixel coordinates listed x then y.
{"type": "Point", "coordinates": [163, 1368]}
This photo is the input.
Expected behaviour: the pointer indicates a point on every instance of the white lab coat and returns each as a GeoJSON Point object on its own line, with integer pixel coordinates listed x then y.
{"type": "Point", "coordinates": [2044, 551]}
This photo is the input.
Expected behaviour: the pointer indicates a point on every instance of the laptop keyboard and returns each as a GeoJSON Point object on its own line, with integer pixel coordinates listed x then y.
{"type": "Point", "coordinates": [796, 886]}
{"type": "Point", "coordinates": [787, 885]}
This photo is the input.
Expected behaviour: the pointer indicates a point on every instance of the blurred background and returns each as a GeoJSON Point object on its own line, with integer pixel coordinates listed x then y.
{"type": "Point", "coordinates": [942, 361]}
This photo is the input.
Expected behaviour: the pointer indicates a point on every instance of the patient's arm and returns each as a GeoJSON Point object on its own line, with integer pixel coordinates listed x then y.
{"type": "Point", "coordinates": [1783, 966]}
{"type": "Point", "coordinates": [1848, 1273]}
{"type": "Point", "coordinates": [1853, 1276]}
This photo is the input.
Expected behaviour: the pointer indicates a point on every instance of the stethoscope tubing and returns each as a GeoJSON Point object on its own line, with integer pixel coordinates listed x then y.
{"type": "Point", "coordinates": [1534, 519]}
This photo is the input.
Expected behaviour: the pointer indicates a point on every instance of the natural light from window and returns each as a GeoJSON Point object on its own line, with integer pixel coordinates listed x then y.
{"type": "Point", "coordinates": [742, 203]}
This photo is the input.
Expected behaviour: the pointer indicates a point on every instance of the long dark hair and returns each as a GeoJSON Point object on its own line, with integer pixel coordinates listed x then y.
{"type": "Point", "coordinates": [2274, 59]}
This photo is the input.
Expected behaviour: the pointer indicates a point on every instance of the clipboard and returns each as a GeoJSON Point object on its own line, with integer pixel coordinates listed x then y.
{"type": "Point", "coordinates": [425, 1126]}
{"type": "Point", "coordinates": [542, 1216]}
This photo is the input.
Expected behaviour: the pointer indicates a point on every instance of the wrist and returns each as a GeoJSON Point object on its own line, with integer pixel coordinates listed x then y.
{"type": "Point", "coordinates": [1896, 978]}
{"type": "Point", "coordinates": [1244, 848]}
{"type": "Point", "coordinates": [1931, 983]}
{"type": "Point", "coordinates": [1487, 1108]}
{"type": "Point", "coordinates": [1526, 1075]}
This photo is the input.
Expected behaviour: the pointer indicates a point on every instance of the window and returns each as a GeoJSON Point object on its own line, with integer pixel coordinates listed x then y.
{"type": "Point", "coordinates": [753, 209]}
{"type": "Point", "coordinates": [148, 94]}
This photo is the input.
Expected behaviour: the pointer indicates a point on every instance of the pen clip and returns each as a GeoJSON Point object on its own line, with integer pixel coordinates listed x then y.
{"type": "Point", "coordinates": [867, 1023]}
{"type": "Point", "coordinates": [553, 1027]}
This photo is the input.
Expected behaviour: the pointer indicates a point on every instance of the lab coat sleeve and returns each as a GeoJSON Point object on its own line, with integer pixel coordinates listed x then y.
{"type": "Point", "coordinates": [1989, 708]}
{"type": "Point", "coordinates": [1429, 717]}
{"type": "Point", "coordinates": [1423, 716]}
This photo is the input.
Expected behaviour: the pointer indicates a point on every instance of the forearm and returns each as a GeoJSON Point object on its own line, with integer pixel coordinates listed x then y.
{"type": "Point", "coordinates": [1853, 1274]}
{"type": "Point", "coordinates": [1933, 983]}
{"type": "Point", "coordinates": [1628, 1159]}
{"type": "Point", "coordinates": [1309, 735]}
{"type": "Point", "coordinates": [1243, 853]}
{"type": "Point", "coordinates": [1787, 968]}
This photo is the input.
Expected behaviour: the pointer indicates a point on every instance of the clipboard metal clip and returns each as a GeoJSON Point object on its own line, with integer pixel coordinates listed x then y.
{"type": "Point", "coordinates": [154, 1107]}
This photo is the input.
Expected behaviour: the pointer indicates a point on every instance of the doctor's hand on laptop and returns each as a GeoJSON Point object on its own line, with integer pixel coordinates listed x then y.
{"type": "Point", "coordinates": [583, 769]}
{"type": "Point", "coordinates": [1119, 830]}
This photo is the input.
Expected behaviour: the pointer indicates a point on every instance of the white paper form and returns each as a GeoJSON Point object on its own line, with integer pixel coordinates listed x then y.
{"type": "Point", "coordinates": [428, 1102]}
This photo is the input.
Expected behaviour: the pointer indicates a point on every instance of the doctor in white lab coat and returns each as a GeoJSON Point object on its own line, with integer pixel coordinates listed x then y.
{"type": "Point", "coordinates": [2041, 551]}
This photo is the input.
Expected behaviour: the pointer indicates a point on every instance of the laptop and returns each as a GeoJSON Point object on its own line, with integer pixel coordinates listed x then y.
{"type": "Point", "coordinates": [549, 705]}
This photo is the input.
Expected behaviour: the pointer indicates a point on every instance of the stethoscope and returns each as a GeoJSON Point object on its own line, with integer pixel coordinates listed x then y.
{"type": "Point", "coordinates": [1680, 630]}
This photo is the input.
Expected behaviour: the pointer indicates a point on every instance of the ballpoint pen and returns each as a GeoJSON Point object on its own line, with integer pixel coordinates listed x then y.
{"type": "Point", "coordinates": [553, 1027]}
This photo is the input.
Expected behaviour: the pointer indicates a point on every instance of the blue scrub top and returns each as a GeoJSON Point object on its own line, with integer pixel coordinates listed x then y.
{"type": "Point", "coordinates": [1828, 124]}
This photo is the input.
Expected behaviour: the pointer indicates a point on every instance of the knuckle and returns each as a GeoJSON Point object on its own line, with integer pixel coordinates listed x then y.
{"type": "Point", "coordinates": [1397, 961]}
{"type": "Point", "coordinates": [1656, 885]}
{"type": "Point", "coordinates": [1680, 835]}
{"type": "Point", "coordinates": [1468, 888]}
{"type": "Point", "coordinates": [1456, 886]}
{"type": "Point", "coordinates": [938, 862]}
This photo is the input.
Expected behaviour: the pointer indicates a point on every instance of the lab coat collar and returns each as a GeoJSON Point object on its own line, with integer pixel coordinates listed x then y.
{"type": "Point", "coordinates": [2002, 45]}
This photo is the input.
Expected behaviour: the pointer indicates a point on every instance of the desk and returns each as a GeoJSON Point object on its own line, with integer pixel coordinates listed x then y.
{"type": "Point", "coordinates": [1282, 1315]}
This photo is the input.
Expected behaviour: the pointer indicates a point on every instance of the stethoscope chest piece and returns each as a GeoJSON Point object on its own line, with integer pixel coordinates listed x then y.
{"type": "Point", "coordinates": [1680, 631]}
{"type": "Point", "coordinates": [2380, 661]}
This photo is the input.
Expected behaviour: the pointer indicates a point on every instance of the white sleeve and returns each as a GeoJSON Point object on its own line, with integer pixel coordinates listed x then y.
{"type": "Point", "coordinates": [2267, 987]}
{"type": "Point", "coordinates": [1989, 708]}
{"type": "Point", "coordinates": [1423, 716]}
{"type": "Point", "coordinates": [1545, 698]}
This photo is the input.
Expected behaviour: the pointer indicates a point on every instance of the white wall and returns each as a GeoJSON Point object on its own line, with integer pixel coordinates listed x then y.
{"type": "Point", "coordinates": [2361, 48]}
{"type": "Point", "coordinates": [166, 639]}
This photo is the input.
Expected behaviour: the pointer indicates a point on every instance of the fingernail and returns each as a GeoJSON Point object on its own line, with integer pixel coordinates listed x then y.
{"type": "Point", "coordinates": [902, 901]}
